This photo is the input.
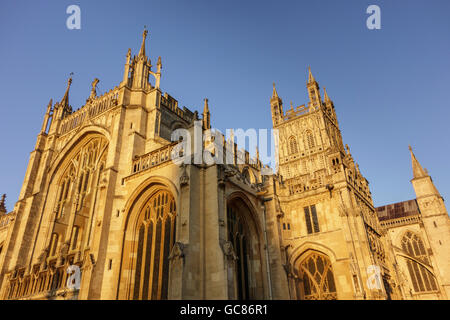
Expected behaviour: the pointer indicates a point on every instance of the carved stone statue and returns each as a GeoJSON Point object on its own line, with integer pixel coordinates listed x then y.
{"type": "Point", "coordinates": [184, 178]}
{"type": "Point", "coordinates": [93, 90]}
{"type": "Point", "coordinates": [228, 250]}
{"type": "Point", "coordinates": [177, 251]}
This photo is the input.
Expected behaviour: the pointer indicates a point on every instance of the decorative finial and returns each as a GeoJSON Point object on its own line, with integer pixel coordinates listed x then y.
{"type": "Point", "coordinates": [206, 106]}
{"type": "Point", "coordinates": [310, 76]}
{"type": "Point", "coordinates": [65, 100]}
{"type": "Point", "coordinates": [274, 92]}
{"type": "Point", "coordinates": [144, 36]}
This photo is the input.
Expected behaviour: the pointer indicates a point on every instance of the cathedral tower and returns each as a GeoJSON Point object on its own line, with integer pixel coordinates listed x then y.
{"type": "Point", "coordinates": [328, 215]}
{"type": "Point", "coordinates": [436, 221]}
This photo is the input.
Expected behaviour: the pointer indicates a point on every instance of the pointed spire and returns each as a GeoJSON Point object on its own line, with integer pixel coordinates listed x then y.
{"type": "Point", "coordinates": [2, 204]}
{"type": "Point", "coordinates": [274, 92]}
{"type": "Point", "coordinates": [325, 95]}
{"type": "Point", "coordinates": [357, 168]}
{"type": "Point", "coordinates": [310, 76]}
{"type": "Point", "coordinates": [47, 116]}
{"type": "Point", "coordinates": [65, 100]}
{"type": "Point", "coordinates": [418, 171]}
{"type": "Point", "coordinates": [144, 36]}
{"type": "Point", "coordinates": [49, 106]}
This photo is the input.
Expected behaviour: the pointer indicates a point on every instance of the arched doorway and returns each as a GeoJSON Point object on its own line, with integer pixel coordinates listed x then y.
{"type": "Point", "coordinates": [315, 278]}
{"type": "Point", "coordinates": [154, 238]}
{"type": "Point", "coordinates": [245, 282]}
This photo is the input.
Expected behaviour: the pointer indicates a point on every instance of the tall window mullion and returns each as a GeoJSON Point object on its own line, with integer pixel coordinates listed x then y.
{"type": "Point", "coordinates": [148, 262]}
{"type": "Point", "coordinates": [422, 279]}
{"type": "Point", "coordinates": [308, 220]}
{"type": "Point", "coordinates": [137, 278]}
{"type": "Point", "coordinates": [314, 218]}
{"type": "Point", "coordinates": [312, 222]}
{"type": "Point", "coordinates": [152, 267]}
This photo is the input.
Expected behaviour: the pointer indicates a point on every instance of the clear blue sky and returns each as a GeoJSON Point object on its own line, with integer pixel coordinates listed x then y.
{"type": "Point", "coordinates": [390, 87]}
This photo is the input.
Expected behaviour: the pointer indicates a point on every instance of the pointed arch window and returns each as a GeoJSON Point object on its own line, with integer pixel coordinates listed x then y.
{"type": "Point", "coordinates": [317, 279]}
{"type": "Point", "coordinates": [156, 236]}
{"type": "Point", "coordinates": [422, 279]}
{"type": "Point", "coordinates": [293, 148]}
{"type": "Point", "coordinates": [312, 222]}
{"type": "Point", "coordinates": [310, 139]}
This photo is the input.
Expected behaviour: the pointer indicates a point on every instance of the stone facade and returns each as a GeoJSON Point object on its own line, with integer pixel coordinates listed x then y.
{"type": "Point", "coordinates": [101, 193]}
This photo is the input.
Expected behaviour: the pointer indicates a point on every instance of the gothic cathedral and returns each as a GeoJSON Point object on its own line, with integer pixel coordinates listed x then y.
{"type": "Point", "coordinates": [102, 203]}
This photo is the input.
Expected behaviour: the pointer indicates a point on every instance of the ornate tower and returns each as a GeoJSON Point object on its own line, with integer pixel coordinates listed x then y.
{"type": "Point", "coordinates": [276, 105]}
{"type": "Point", "coordinates": [328, 218]}
{"type": "Point", "coordinates": [436, 221]}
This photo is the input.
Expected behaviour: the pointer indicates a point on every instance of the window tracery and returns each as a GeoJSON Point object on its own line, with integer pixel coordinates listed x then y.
{"type": "Point", "coordinates": [156, 237]}
{"type": "Point", "coordinates": [422, 279]}
{"type": "Point", "coordinates": [317, 279]}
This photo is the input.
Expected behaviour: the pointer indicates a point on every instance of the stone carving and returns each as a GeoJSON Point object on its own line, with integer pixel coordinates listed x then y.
{"type": "Point", "coordinates": [93, 90]}
{"type": "Point", "coordinates": [289, 270]}
{"type": "Point", "coordinates": [64, 248]}
{"type": "Point", "coordinates": [42, 259]}
{"type": "Point", "coordinates": [230, 172]}
{"type": "Point", "coordinates": [228, 250]}
{"type": "Point", "coordinates": [184, 178]}
{"type": "Point", "coordinates": [177, 251]}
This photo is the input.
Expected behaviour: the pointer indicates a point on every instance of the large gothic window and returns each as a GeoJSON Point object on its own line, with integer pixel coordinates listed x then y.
{"type": "Point", "coordinates": [316, 278]}
{"type": "Point", "coordinates": [238, 236]}
{"type": "Point", "coordinates": [78, 178]}
{"type": "Point", "coordinates": [422, 279]}
{"type": "Point", "coordinates": [156, 236]}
